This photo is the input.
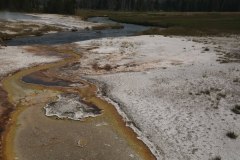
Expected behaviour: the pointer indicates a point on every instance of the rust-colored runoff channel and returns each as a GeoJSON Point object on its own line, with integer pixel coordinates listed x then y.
{"type": "Point", "coordinates": [19, 92]}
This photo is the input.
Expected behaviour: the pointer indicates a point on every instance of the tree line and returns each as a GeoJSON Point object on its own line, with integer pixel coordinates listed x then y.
{"type": "Point", "coordinates": [19, 5]}
{"type": "Point", "coordinates": [129, 5]}
{"type": "Point", "coordinates": [165, 5]}
{"type": "Point", "coordinates": [49, 6]}
{"type": "Point", "coordinates": [201, 5]}
{"type": "Point", "coordinates": [69, 6]}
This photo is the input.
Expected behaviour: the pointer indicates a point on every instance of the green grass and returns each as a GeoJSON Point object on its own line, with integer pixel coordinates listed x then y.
{"type": "Point", "coordinates": [176, 23]}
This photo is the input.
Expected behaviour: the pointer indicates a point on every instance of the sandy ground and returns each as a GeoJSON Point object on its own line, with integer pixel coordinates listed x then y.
{"type": "Point", "coordinates": [15, 58]}
{"type": "Point", "coordinates": [138, 53]}
{"type": "Point", "coordinates": [183, 94]}
{"type": "Point", "coordinates": [63, 21]}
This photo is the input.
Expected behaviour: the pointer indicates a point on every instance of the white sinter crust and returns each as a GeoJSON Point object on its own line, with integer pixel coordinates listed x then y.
{"type": "Point", "coordinates": [184, 109]}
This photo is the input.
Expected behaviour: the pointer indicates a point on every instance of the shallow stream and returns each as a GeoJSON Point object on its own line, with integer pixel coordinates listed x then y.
{"type": "Point", "coordinates": [32, 135]}
{"type": "Point", "coordinates": [68, 36]}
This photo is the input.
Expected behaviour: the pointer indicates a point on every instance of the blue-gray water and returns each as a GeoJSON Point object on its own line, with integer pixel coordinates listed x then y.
{"type": "Point", "coordinates": [68, 36]}
{"type": "Point", "coordinates": [11, 16]}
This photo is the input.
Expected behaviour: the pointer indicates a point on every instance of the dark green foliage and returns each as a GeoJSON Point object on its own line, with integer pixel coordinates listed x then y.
{"type": "Point", "coordinates": [166, 5]}
{"type": "Point", "coordinates": [50, 6]}
{"type": "Point", "coordinates": [20, 5]}
{"type": "Point", "coordinates": [60, 6]}
{"type": "Point", "coordinates": [69, 6]}
{"type": "Point", "coordinates": [202, 5]}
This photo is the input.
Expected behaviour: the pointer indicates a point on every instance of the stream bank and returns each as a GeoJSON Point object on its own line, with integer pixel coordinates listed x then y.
{"type": "Point", "coordinates": [32, 135]}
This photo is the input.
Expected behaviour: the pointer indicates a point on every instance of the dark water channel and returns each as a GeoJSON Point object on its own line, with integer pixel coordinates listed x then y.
{"type": "Point", "coordinates": [68, 36]}
{"type": "Point", "coordinates": [37, 80]}
{"type": "Point", "coordinates": [65, 37]}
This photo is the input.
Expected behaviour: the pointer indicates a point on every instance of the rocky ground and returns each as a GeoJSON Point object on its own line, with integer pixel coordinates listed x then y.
{"type": "Point", "coordinates": [182, 93]}
{"type": "Point", "coordinates": [15, 58]}
{"type": "Point", "coordinates": [102, 137]}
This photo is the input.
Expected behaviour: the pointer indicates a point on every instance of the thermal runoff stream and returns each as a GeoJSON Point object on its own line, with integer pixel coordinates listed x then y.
{"type": "Point", "coordinates": [64, 117]}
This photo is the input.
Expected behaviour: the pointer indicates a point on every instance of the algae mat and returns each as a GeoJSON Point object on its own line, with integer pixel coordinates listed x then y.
{"type": "Point", "coordinates": [32, 135]}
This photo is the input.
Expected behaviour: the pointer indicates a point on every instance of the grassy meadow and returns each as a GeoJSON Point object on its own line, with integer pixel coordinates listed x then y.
{"type": "Point", "coordinates": [176, 23]}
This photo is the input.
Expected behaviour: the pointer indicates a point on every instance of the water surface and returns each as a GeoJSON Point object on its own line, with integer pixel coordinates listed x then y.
{"type": "Point", "coordinates": [68, 36]}
{"type": "Point", "coordinates": [16, 16]}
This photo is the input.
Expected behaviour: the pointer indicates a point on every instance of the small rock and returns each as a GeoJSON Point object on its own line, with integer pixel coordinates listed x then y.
{"type": "Point", "coordinates": [81, 143]}
{"type": "Point", "coordinates": [74, 29]}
